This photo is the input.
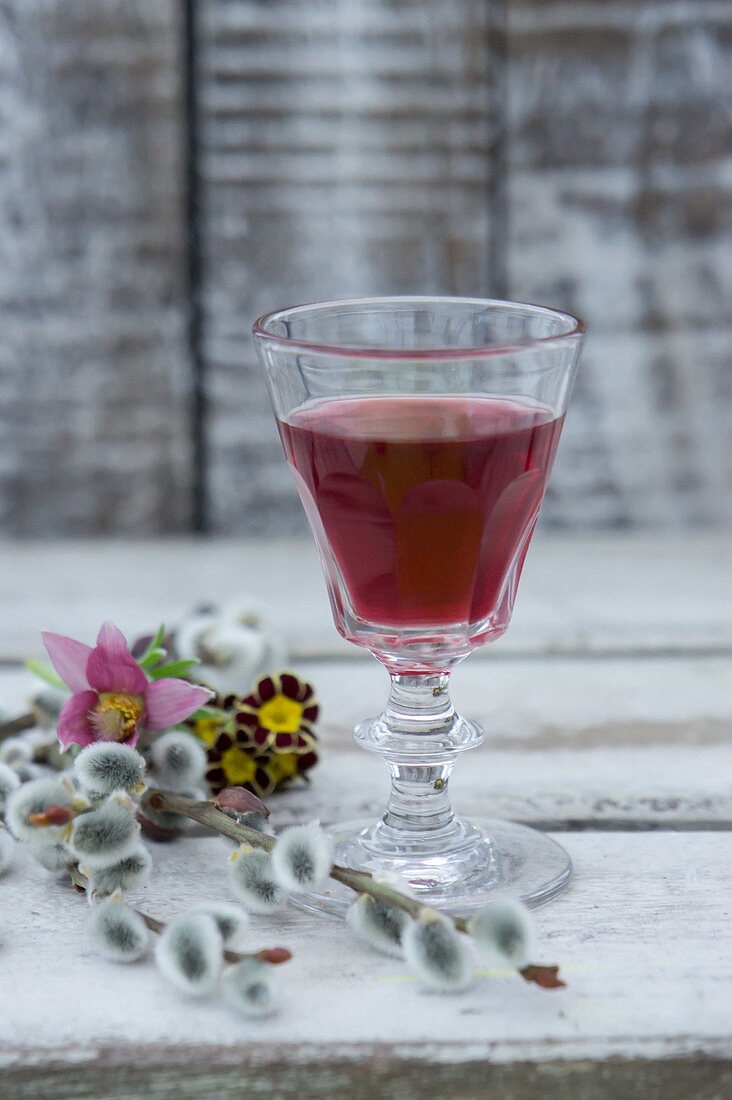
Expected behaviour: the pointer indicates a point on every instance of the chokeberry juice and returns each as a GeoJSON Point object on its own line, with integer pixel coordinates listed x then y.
{"type": "Point", "coordinates": [427, 502]}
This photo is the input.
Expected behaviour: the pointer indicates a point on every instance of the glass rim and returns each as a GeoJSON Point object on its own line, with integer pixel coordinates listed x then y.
{"type": "Point", "coordinates": [575, 331]}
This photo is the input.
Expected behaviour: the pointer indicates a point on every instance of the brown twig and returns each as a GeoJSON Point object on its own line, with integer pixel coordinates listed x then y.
{"type": "Point", "coordinates": [16, 725]}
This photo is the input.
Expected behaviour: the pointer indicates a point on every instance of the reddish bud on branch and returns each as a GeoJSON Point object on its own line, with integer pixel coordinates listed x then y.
{"type": "Point", "coordinates": [275, 955]}
{"type": "Point", "coordinates": [547, 977]}
{"type": "Point", "coordinates": [52, 815]}
{"type": "Point", "coordinates": [240, 801]}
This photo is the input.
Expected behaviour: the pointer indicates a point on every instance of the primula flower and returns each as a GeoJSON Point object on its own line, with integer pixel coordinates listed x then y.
{"type": "Point", "coordinates": [265, 739]}
{"type": "Point", "coordinates": [113, 698]}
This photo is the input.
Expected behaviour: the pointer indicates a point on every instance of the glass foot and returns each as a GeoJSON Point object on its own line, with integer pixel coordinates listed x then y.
{"type": "Point", "coordinates": [485, 856]}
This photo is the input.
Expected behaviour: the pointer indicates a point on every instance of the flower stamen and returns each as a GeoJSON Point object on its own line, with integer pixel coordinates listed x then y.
{"type": "Point", "coordinates": [116, 715]}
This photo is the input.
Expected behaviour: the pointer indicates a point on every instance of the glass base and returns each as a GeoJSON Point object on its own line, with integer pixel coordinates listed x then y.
{"type": "Point", "coordinates": [485, 856]}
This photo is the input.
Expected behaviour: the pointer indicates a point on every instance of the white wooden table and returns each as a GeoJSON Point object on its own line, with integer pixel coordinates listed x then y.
{"type": "Point", "coordinates": [608, 708]}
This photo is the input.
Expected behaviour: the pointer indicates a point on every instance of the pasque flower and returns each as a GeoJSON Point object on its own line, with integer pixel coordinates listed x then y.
{"type": "Point", "coordinates": [112, 697]}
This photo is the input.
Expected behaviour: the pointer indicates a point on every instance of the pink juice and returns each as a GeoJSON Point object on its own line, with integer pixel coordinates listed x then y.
{"type": "Point", "coordinates": [427, 503]}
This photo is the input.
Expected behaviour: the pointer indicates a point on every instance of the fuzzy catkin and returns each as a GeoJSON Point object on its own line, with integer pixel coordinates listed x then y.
{"type": "Point", "coordinates": [7, 851]}
{"type": "Point", "coordinates": [52, 857]}
{"type": "Point", "coordinates": [438, 954]}
{"type": "Point", "coordinates": [252, 988]}
{"type": "Point", "coordinates": [15, 751]}
{"type": "Point", "coordinates": [9, 782]}
{"type": "Point", "coordinates": [125, 874]}
{"type": "Point", "coordinates": [231, 920]}
{"type": "Point", "coordinates": [301, 858]}
{"type": "Point", "coordinates": [379, 924]}
{"type": "Point", "coordinates": [118, 932]}
{"type": "Point", "coordinates": [254, 883]}
{"type": "Point", "coordinates": [189, 953]}
{"type": "Point", "coordinates": [504, 933]}
{"type": "Point", "coordinates": [179, 760]}
{"type": "Point", "coordinates": [107, 834]}
{"type": "Point", "coordinates": [107, 766]}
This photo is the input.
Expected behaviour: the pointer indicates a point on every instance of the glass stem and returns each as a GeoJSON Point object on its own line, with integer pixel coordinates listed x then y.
{"type": "Point", "coordinates": [419, 707]}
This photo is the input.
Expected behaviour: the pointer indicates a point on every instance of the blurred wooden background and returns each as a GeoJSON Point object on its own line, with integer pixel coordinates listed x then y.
{"type": "Point", "coordinates": [171, 168]}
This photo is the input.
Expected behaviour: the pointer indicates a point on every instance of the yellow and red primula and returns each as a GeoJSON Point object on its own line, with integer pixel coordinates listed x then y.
{"type": "Point", "coordinates": [264, 739]}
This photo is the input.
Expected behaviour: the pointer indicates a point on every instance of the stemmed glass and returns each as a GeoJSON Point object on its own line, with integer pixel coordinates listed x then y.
{"type": "Point", "coordinates": [421, 433]}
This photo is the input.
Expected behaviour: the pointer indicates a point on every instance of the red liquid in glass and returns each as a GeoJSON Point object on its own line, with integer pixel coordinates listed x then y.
{"type": "Point", "coordinates": [426, 502]}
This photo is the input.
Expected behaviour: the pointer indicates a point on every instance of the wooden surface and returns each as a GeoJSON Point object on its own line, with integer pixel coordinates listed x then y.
{"type": "Point", "coordinates": [94, 381]}
{"type": "Point", "coordinates": [576, 154]}
{"type": "Point", "coordinates": [608, 709]}
{"type": "Point", "coordinates": [620, 203]}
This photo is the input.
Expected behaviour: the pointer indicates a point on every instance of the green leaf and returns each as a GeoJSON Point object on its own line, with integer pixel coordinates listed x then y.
{"type": "Point", "coordinates": [45, 672]}
{"type": "Point", "coordinates": [208, 712]}
{"type": "Point", "coordinates": [175, 668]}
{"type": "Point", "coordinates": [152, 658]}
{"type": "Point", "coordinates": [154, 652]}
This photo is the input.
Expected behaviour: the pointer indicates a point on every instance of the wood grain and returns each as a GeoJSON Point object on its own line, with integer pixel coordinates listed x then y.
{"type": "Point", "coordinates": [345, 150]}
{"type": "Point", "coordinates": [93, 378]}
{"type": "Point", "coordinates": [621, 210]}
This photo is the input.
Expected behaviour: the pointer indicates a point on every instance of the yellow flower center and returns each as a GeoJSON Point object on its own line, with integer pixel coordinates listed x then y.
{"type": "Point", "coordinates": [115, 716]}
{"type": "Point", "coordinates": [238, 766]}
{"type": "Point", "coordinates": [282, 766]}
{"type": "Point", "coordinates": [280, 714]}
{"type": "Point", "coordinates": [207, 729]}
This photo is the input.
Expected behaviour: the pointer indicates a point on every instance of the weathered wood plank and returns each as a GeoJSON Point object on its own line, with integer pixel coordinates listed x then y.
{"type": "Point", "coordinates": [641, 936]}
{"type": "Point", "coordinates": [620, 210]}
{"type": "Point", "coordinates": [93, 375]}
{"type": "Point", "coordinates": [345, 150]}
{"type": "Point", "coordinates": [217, 1073]}
{"type": "Point", "coordinates": [589, 595]}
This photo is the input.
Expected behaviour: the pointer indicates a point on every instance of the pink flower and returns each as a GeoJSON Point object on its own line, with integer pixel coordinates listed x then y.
{"type": "Point", "coordinates": [113, 697]}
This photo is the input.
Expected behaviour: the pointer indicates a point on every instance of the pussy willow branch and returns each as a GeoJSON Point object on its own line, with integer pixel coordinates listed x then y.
{"type": "Point", "coordinates": [17, 725]}
{"type": "Point", "coordinates": [270, 955]}
{"type": "Point", "coordinates": [205, 813]}
{"type": "Point", "coordinates": [360, 881]}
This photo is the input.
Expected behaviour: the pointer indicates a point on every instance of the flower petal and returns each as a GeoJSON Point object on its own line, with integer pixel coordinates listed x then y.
{"type": "Point", "coordinates": [69, 658]}
{"type": "Point", "coordinates": [169, 701]}
{"type": "Point", "coordinates": [111, 667]}
{"type": "Point", "coordinates": [73, 723]}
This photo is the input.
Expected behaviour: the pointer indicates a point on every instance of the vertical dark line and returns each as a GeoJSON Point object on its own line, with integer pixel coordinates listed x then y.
{"type": "Point", "coordinates": [198, 407]}
{"type": "Point", "coordinates": [498, 181]}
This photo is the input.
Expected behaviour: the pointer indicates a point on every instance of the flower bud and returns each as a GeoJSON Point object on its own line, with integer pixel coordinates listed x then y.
{"type": "Point", "coordinates": [190, 953]}
{"type": "Point", "coordinates": [301, 858]}
{"type": "Point", "coordinates": [117, 932]}
{"type": "Point", "coordinates": [108, 766]}
{"type": "Point", "coordinates": [254, 883]}
{"type": "Point", "coordinates": [252, 987]}
{"type": "Point", "coordinates": [107, 834]}
{"type": "Point", "coordinates": [438, 954]}
{"type": "Point", "coordinates": [504, 933]}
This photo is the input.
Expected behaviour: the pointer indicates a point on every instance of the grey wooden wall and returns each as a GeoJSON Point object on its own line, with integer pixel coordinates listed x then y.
{"type": "Point", "coordinates": [171, 168]}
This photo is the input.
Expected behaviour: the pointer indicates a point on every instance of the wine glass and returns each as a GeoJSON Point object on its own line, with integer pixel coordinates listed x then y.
{"type": "Point", "coordinates": [421, 432]}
